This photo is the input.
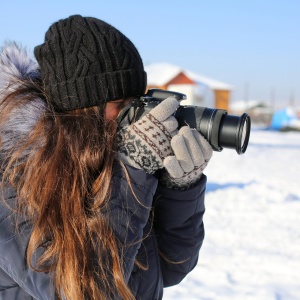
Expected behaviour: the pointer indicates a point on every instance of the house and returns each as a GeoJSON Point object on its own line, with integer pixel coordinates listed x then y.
{"type": "Point", "coordinates": [200, 90]}
{"type": "Point", "coordinates": [259, 111]}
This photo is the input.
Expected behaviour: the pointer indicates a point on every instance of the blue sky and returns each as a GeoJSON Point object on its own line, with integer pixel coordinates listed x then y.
{"type": "Point", "coordinates": [252, 44]}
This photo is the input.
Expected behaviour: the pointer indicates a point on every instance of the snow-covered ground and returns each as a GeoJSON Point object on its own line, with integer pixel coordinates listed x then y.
{"type": "Point", "coordinates": [252, 220]}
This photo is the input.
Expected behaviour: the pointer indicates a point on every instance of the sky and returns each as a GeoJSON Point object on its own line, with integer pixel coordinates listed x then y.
{"type": "Point", "coordinates": [253, 45]}
{"type": "Point", "coordinates": [251, 249]}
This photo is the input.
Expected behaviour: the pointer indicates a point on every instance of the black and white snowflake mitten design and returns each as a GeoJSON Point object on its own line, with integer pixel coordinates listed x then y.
{"type": "Point", "coordinates": [145, 143]}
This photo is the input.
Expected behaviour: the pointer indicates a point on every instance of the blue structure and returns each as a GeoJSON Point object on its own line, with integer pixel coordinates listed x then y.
{"type": "Point", "coordinates": [282, 118]}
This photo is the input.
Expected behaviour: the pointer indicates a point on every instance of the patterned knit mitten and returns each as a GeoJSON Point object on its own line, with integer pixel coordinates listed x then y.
{"type": "Point", "coordinates": [145, 143]}
{"type": "Point", "coordinates": [192, 154]}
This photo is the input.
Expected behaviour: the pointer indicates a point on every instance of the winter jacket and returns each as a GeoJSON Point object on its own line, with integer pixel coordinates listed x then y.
{"type": "Point", "coordinates": [176, 229]}
{"type": "Point", "coordinates": [160, 219]}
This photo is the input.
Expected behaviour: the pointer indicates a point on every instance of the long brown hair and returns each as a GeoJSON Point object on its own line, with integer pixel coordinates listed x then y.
{"type": "Point", "coordinates": [61, 169]}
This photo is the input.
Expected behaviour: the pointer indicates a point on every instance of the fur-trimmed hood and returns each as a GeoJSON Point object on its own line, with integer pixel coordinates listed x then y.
{"type": "Point", "coordinates": [16, 67]}
{"type": "Point", "coordinates": [16, 64]}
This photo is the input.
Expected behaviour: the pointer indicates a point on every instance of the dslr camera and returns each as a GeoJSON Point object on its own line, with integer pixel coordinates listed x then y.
{"type": "Point", "coordinates": [219, 128]}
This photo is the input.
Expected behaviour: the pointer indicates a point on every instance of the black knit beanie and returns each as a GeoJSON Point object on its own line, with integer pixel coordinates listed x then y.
{"type": "Point", "coordinates": [85, 61]}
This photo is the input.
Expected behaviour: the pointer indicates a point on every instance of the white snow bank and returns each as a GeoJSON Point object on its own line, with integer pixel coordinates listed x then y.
{"type": "Point", "coordinates": [252, 245]}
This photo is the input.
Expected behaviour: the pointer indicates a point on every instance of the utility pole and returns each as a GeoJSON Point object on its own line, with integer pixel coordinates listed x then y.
{"type": "Point", "coordinates": [273, 100]}
{"type": "Point", "coordinates": [292, 98]}
{"type": "Point", "coordinates": [246, 95]}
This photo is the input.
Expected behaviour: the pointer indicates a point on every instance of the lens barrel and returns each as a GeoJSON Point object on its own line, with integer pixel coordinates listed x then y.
{"type": "Point", "coordinates": [220, 129]}
{"type": "Point", "coordinates": [235, 132]}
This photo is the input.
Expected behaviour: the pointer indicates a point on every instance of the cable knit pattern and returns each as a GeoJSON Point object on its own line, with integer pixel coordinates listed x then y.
{"type": "Point", "coordinates": [85, 61]}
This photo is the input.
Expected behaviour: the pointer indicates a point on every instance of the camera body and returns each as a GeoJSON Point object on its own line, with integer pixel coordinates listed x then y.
{"type": "Point", "coordinates": [220, 129]}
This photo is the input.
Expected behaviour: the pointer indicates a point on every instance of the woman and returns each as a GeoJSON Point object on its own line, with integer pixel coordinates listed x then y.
{"type": "Point", "coordinates": [90, 209]}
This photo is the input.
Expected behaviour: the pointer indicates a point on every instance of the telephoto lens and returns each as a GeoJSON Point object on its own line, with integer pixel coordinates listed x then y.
{"type": "Point", "coordinates": [219, 128]}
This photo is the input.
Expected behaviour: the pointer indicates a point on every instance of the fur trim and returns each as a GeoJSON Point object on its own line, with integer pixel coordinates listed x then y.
{"type": "Point", "coordinates": [16, 67]}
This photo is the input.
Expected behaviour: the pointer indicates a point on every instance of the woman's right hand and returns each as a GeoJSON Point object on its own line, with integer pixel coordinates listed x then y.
{"type": "Point", "coordinates": [192, 153]}
{"type": "Point", "coordinates": [145, 143]}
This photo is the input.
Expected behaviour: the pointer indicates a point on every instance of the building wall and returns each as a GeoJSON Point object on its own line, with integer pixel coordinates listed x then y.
{"type": "Point", "coordinates": [222, 99]}
{"type": "Point", "coordinates": [190, 91]}
{"type": "Point", "coordinates": [197, 95]}
{"type": "Point", "coordinates": [181, 78]}
{"type": "Point", "coordinates": [163, 87]}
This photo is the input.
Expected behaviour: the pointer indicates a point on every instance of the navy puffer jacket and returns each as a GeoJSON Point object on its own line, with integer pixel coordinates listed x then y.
{"type": "Point", "coordinates": [176, 229]}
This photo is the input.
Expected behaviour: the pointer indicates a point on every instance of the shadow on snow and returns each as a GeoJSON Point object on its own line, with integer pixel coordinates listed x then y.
{"type": "Point", "coordinates": [211, 187]}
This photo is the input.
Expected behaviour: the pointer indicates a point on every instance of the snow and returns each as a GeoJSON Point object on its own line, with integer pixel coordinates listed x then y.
{"type": "Point", "coordinates": [159, 74]}
{"type": "Point", "coordinates": [294, 123]}
{"type": "Point", "coordinates": [252, 246]}
{"type": "Point", "coordinates": [209, 82]}
{"type": "Point", "coordinates": [244, 105]}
